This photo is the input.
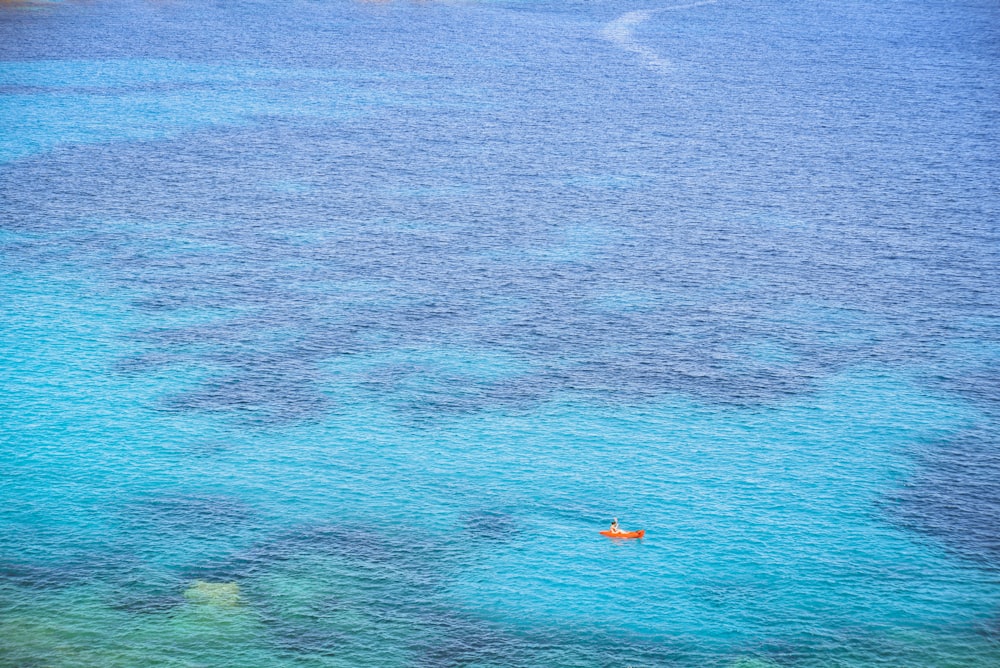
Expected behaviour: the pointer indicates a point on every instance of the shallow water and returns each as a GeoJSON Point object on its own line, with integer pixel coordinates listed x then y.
{"type": "Point", "coordinates": [333, 332]}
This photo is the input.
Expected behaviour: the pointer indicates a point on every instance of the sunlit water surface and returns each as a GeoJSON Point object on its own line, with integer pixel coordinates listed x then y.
{"type": "Point", "coordinates": [332, 333]}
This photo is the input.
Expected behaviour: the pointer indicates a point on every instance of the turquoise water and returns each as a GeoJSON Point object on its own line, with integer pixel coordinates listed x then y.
{"type": "Point", "coordinates": [333, 333]}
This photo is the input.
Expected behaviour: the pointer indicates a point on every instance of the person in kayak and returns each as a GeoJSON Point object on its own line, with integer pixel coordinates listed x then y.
{"type": "Point", "coordinates": [614, 526]}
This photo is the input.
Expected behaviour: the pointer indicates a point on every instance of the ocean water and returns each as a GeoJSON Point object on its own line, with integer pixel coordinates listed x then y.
{"type": "Point", "coordinates": [331, 333]}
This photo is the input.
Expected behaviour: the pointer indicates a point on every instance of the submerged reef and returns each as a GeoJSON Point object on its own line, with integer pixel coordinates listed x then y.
{"type": "Point", "coordinates": [220, 594]}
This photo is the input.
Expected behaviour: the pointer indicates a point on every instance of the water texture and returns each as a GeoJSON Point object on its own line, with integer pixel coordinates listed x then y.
{"type": "Point", "coordinates": [331, 333]}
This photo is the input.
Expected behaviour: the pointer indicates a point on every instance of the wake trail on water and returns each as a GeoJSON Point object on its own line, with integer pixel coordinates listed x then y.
{"type": "Point", "coordinates": [621, 31]}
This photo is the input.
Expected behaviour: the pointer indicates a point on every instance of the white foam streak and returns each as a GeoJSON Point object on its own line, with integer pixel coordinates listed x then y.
{"type": "Point", "coordinates": [621, 31]}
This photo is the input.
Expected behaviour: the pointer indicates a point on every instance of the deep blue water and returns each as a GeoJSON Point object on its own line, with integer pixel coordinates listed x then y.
{"type": "Point", "coordinates": [331, 333]}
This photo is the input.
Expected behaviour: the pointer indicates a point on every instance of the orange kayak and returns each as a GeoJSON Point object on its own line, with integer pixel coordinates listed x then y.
{"type": "Point", "coordinates": [625, 534]}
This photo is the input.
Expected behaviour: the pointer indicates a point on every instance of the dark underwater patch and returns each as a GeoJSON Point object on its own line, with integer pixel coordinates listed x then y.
{"type": "Point", "coordinates": [408, 552]}
{"type": "Point", "coordinates": [160, 302]}
{"type": "Point", "coordinates": [300, 640]}
{"type": "Point", "coordinates": [981, 383]}
{"type": "Point", "coordinates": [142, 601]}
{"type": "Point", "coordinates": [450, 640]}
{"type": "Point", "coordinates": [137, 365]}
{"type": "Point", "coordinates": [955, 496]}
{"type": "Point", "coordinates": [189, 515]}
{"type": "Point", "coordinates": [77, 567]}
{"type": "Point", "coordinates": [490, 525]}
{"type": "Point", "coordinates": [33, 576]}
{"type": "Point", "coordinates": [991, 630]}
{"type": "Point", "coordinates": [259, 397]}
